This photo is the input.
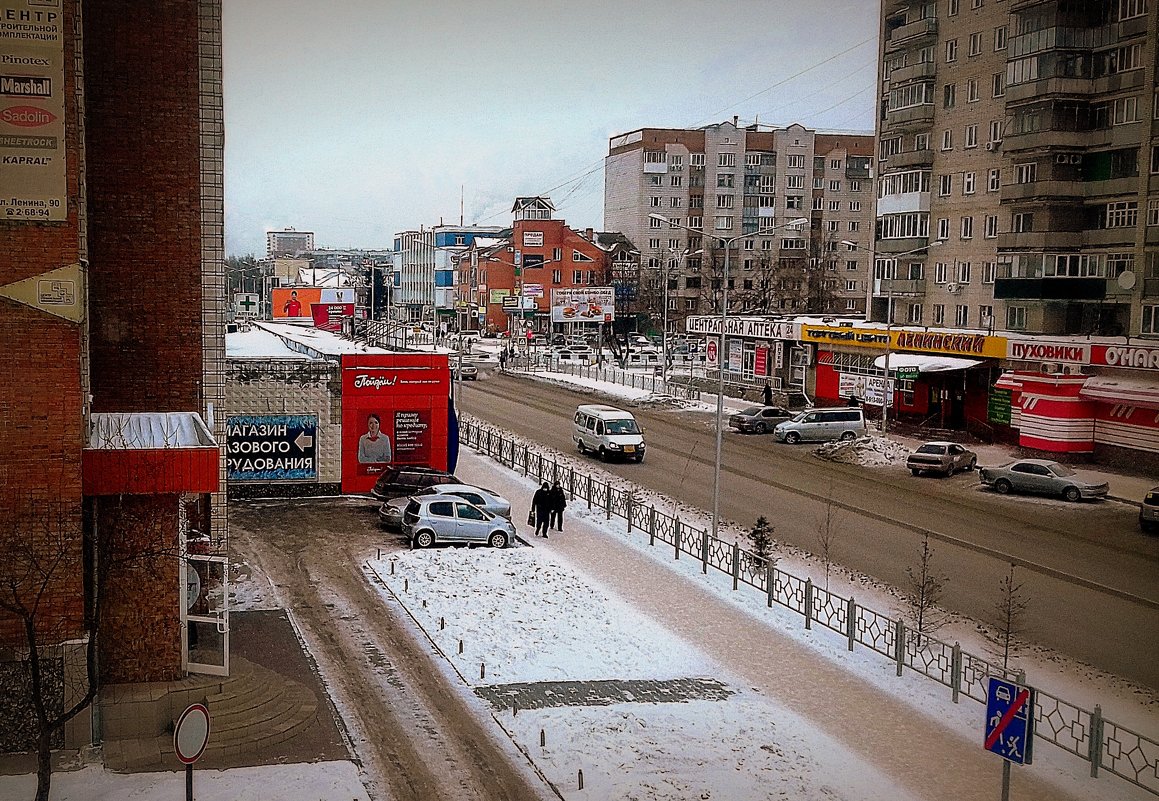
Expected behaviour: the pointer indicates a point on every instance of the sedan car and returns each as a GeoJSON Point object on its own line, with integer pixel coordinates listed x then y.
{"type": "Point", "coordinates": [400, 481]}
{"type": "Point", "coordinates": [431, 519]}
{"type": "Point", "coordinates": [391, 512]}
{"type": "Point", "coordinates": [1149, 511]}
{"type": "Point", "coordinates": [1043, 477]}
{"type": "Point", "coordinates": [467, 371]}
{"type": "Point", "coordinates": [758, 419]}
{"type": "Point", "coordinates": [942, 458]}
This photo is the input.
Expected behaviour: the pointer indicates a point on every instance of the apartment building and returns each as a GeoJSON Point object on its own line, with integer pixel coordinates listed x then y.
{"type": "Point", "coordinates": [288, 242]}
{"type": "Point", "coordinates": [1021, 137]}
{"type": "Point", "coordinates": [424, 272]}
{"type": "Point", "coordinates": [683, 195]}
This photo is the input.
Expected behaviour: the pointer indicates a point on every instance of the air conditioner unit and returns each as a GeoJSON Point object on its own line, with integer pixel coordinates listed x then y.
{"type": "Point", "coordinates": [1062, 158]}
{"type": "Point", "coordinates": [1076, 159]}
{"type": "Point", "coordinates": [1050, 368]}
{"type": "Point", "coordinates": [991, 145]}
{"type": "Point", "coordinates": [953, 289]}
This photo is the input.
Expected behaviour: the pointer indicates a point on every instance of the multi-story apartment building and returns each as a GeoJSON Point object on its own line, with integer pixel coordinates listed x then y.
{"type": "Point", "coordinates": [1021, 137]}
{"type": "Point", "coordinates": [288, 242]}
{"type": "Point", "coordinates": [423, 268]}
{"type": "Point", "coordinates": [719, 183]}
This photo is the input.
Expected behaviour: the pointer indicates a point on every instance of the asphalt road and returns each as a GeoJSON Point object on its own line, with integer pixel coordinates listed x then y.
{"type": "Point", "coordinates": [1088, 575]}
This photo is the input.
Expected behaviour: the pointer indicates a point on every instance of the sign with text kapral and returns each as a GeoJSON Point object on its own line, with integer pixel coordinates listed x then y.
{"type": "Point", "coordinates": [394, 411]}
{"type": "Point", "coordinates": [592, 304]}
{"type": "Point", "coordinates": [271, 447]}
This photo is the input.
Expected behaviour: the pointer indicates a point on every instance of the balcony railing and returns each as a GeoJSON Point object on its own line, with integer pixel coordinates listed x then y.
{"type": "Point", "coordinates": [900, 36]}
{"type": "Point", "coordinates": [1050, 288]}
{"type": "Point", "coordinates": [883, 287]}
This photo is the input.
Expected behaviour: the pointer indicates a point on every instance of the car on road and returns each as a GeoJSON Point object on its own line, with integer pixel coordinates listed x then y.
{"type": "Point", "coordinates": [400, 481]}
{"type": "Point", "coordinates": [432, 519]}
{"type": "Point", "coordinates": [941, 458]}
{"type": "Point", "coordinates": [822, 425]}
{"type": "Point", "coordinates": [607, 431]}
{"type": "Point", "coordinates": [1149, 511]}
{"type": "Point", "coordinates": [467, 371]}
{"type": "Point", "coordinates": [758, 419]}
{"type": "Point", "coordinates": [1043, 477]}
{"type": "Point", "coordinates": [391, 512]}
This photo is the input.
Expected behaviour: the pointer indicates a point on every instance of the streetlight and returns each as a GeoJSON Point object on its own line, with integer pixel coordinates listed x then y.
{"type": "Point", "coordinates": [683, 257]}
{"type": "Point", "coordinates": [519, 268]}
{"type": "Point", "coordinates": [887, 390]}
{"type": "Point", "coordinates": [727, 243]}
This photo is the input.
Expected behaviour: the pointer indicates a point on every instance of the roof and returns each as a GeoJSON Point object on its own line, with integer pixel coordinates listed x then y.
{"type": "Point", "coordinates": [257, 343]}
{"type": "Point", "coordinates": [314, 342]}
{"type": "Point", "coordinates": [148, 430]}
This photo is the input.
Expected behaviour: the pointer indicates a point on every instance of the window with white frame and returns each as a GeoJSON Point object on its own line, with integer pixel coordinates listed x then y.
{"type": "Point", "coordinates": [914, 314]}
{"type": "Point", "coordinates": [998, 85]}
{"type": "Point", "coordinates": [653, 244]}
{"type": "Point", "coordinates": [690, 304]}
{"type": "Point", "coordinates": [818, 183]}
{"type": "Point", "coordinates": [557, 253]}
{"type": "Point", "coordinates": [945, 185]}
{"type": "Point", "coordinates": [989, 271]}
{"type": "Point", "coordinates": [1119, 263]}
{"type": "Point", "coordinates": [851, 265]}
{"type": "Point", "coordinates": [834, 205]}
{"type": "Point", "coordinates": [696, 222]}
{"type": "Point", "coordinates": [961, 315]}
{"type": "Point", "coordinates": [951, 8]}
{"type": "Point", "coordinates": [726, 159]}
{"type": "Point", "coordinates": [967, 228]}
{"type": "Point", "coordinates": [1125, 110]}
{"type": "Point", "coordinates": [834, 186]}
{"type": "Point", "coordinates": [972, 94]}
{"type": "Point", "coordinates": [855, 205]}
{"type": "Point", "coordinates": [1124, 214]}
{"type": "Point", "coordinates": [674, 244]}
{"type": "Point", "coordinates": [676, 161]}
{"type": "Point", "coordinates": [1129, 9]}
{"type": "Point", "coordinates": [577, 256]}
{"type": "Point", "coordinates": [995, 131]}
{"type": "Point", "coordinates": [675, 222]}
{"type": "Point", "coordinates": [792, 201]}
{"type": "Point", "coordinates": [1153, 211]}
{"type": "Point", "coordinates": [655, 180]}
{"type": "Point", "coordinates": [655, 201]}
{"type": "Point", "coordinates": [908, 225]}
{"type": "Point", "coordinates": [1000, 38]}
{"type": "Point", "coordinates": [951, 51]}
{"type": "Point", "coordinates": [939, 314]}
{"type": "Point", "coordinates": [941, 272]}
{"type": "Point", "coordinates": [1022, 222]}
{"type": "Point", "coordinates": [725, 180]}
{"type": "Point", "coordinates": [677, 180]}
{"type": "Point", "coordinates": [654, 223]}
{"type": "Point", "coordinates": [949, 95]}
{"type": "Point", "coordinates": [963, 270]}
{"type": "Point", "coordinates": [850, 286]}
{"type": "Point", "coordinates": [889, 146]}
{"type": "Point", "coordinates": [557, 276]}
{"type": "Point", "coordinates": [986, 316]}
{"type": "Point", "coordinates": [968, 181]}
{"type": "Point", "coordinates": [971, 136]}
{"type": "Point", "coordinates": [795, 181]}
{"type": "Point", "coordinates": [722, 223]}
{"type": "Point", "coordinates": [976, 4]}
{"type": "Point", "coordinates": [724, 201]}
{"type": "Point", "coordinates": [796, 162]}
{"type": "Point", "coordinates": [1150, 323]}
{"type": "Point", "coordinates": [793, 244]}
{"type": "Point", "coordinates": [1026, 173]}
{"type": "Point", "coordinates": [674, 202]}
{"type": "Point", "coordinates": [833, 225]}
{"type": "Point", "coordinates": [1155, 153]}
{"type": "Point", "coordinates": [696, 159]}
{"type": "Point", "coordinates": [943, 228]}
{"type": "Point", "coordinates": [1015, 318]}
{"type": "Point", "coordinates": [991, 226]}
{"type": "Point", "coordinates": [818, 203]}
{"type": "Point", "coordinates": [655, 157]}
{"type": "Point", "coordinates": [994, 182]}
{"type": "Point", "coordinates": [947, 140]}
{"type": "Point", "coordinates": [975, 43]}
{"type": "Point", "coordinates": [854, 226]}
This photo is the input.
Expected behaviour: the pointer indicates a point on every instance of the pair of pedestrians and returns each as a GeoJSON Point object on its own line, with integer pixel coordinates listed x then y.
{"type": "Point", "coordinates": [547, 507]}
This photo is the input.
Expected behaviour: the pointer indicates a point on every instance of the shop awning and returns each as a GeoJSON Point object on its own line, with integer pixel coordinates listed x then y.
{"type": "Point", "coordinates": [926, 363]}
{"type": "Point", "coordinates": [1008, 381]}
{"type": "Point", "coordinates": [1141, 392]}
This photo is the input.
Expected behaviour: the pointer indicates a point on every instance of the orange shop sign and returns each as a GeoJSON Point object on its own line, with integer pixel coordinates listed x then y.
{"type": "Point", "coordinates": [945, 342]}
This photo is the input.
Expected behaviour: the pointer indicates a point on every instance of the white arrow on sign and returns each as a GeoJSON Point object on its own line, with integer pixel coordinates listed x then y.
{"type": "Point", "coordinates": [303, 441]}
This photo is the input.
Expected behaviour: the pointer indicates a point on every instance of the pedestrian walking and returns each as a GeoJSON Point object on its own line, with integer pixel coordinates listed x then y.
{"type": "Point", "coordinates": [767, 394]}
{"type": "Point", "coordinates": [541, 508]}
{"type": "Point", "coordinates": [503, 359]}
{"type": "Point", "coordinates": [558, 504]}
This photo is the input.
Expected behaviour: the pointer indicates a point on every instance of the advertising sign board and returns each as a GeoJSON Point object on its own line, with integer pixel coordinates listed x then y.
{"type": "Point", "coordinates": [394, 411]}
{"type": "Point", "coordinates": [735, 355]}
{"type": "Point", "coordinates": [592, 304]}
{"type": "Point", "coordinates": [868, 388]}
{"type": "Point", "coordinates": [329, 316]}
{"type": "Point", "coordinates": [246, 304]}
{"type": "Point", "coordinates": [498, 295]}
{"type": "Point", "coordinates": [289, 302]}
{"type": "Point", "coordinates": [271, 447]}
{"type": "Point", "coordinates": [712, 353]}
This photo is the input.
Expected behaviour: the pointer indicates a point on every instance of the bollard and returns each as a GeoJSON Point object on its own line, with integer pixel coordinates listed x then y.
{"type": "Point", "coordinates": [460, 646]}
{"type": "Point", "coordinates": [482, 670]}
{"type": "Point", "coordinates": [424, 603]}
{"type": "Point", "coordinates": [652, 525]}
{"type": "Point", "coordinates": [442, 623]}
{"type": "Point", "coordinates": [379, 554]}
{"type": "Point", "coordinates": [735, 566]}
{"type": "Point", "coordinates": [808, 604]}
{"type": "Point", "coordinates": [608, 497]}
{"type": "Point", "coordinates": [589, 492]}
{"type": "Point", "coordinates": [899, 645]}
{"type": "Point", "coordinates": [392, 568]}
{"type": "Point", "coordinates": [956, 672]}
{"type": "Point", "coordinates": [581, 778]}
{"type": "Point", "coordinates": [1095, 748]}
{"type": "Point", "coordinates": [628, 505]}
{"type": "Point", "coordinates": [542, 738]}
{"type": "Point", "coordinates": [851, 622]}
{"type": "Point", "coordinates": [770, 583]}
{"type": "Point", "coordinates": [704, 552]}
{"type": "Point", "coordinates": [406, 585]}
{"type": "Point", "coordinates": [676, 535]}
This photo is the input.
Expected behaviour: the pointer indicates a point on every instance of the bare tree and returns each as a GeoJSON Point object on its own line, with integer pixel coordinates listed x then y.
{"type": "Point", "coordinates": [926, 587]}
{"type": "Point", "coordinates": [828, 526]}
{"type": "Point", "coordinates": [1009, 618]}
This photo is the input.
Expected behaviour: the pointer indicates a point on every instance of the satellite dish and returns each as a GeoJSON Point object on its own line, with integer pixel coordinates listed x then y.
{"type": "Point", "coordinates": [1126, 279]}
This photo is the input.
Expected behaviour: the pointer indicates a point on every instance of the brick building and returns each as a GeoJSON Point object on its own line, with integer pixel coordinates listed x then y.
{"type": "Point", "coordinates": [111, 303]}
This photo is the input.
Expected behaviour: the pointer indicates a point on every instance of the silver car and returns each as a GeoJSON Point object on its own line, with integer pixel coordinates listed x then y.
{"type": "Point", "coordinates": [758, 419]}
{"type": "Point", "coordinates": [1043, 477]}
{"type": "Point", "coordinates": [391, 512]}
{"type": "Point", "coordinates": [943, 458]}
{"type": "Point", "coordinates": [431, 519]}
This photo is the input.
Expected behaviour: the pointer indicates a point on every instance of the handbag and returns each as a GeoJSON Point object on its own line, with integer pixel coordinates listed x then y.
{"type": "Point", "coordinates": [531, 517]}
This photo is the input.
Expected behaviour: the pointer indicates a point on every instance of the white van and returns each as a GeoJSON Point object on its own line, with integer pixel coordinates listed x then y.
{"type": "Point", "coordinates": [822, 425]}
{"type": "Point", "coordinates": [607, 431]}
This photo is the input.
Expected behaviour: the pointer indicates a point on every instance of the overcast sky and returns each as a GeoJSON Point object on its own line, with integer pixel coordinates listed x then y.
{"type": "Point", "coordinates": [356, 119]}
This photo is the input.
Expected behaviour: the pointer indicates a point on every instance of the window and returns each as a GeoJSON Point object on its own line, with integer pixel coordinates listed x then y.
{"type": "Point", "coordinates": [833, 225]}
{"type": "Point", "coordinates": [818, 183]}
{"type": "Point", "coordinates": [855, 205]}
{"type": "Point", "coordinates": [696, 222]}
{"type": "Point", "coordinates": [952, 8]}
{"type": "Point", "coordinates": [835, 164]}
{"type": "Point", "coordinates": [995, 131]}
{"type": "Point", "coordinates": [922, 141]}
{"type": "Point", "coordinates": [905, 226]}
{"type": "Point", "coordinates": [674, 244]}
{"type": "Point", "coordinates": [692, 282]}
{"type": "Point", "coordinates": [690, 304]}
{"type": "Point", "coordinates": [653, 222]}
{"type": "Point", "coordinates": [655, 180]}
{"type": "Point", "coordinates": [998, 85]}
{"type": "Point", "coordinates": [696, 159]}
{"type": "Point", "coordinates": [1125, 111]}
{"type": "Point", "coordinates": [655, 202]}
{"type": "Point", "coordinates": [577, 256]}
{"type": "Point", "coordinates": [975, 43]}
{"type": "Point", "coordinates": [1126, 58]}
{"type": "Point", "coordinates": [943, 228]}
{"type": "Point", "coordinates": [796, 162]}
{"type": "Point", "coordinates": [972, 94]}
{"type": "Point", "coordinates": [945, 185]}
{"type": "Point", "coordinates": [677, 180]}
{"type": "Point", "coordinates": [674, 202]}
{"type": "Point", "coordinates": [655, 157]}
{"type": "Point", "coordinates": [939, 314]}
{"type": "Point", "coordinates": [792, 201]}
{"type": "Point", "coordinates": [995, 182]}
{"type": "Point", "coordinates": [726, 159]}
{"type": "Point", "coordinates": [851, 265]}
{"type": "Point", "coordinates": [557, 253]}
{"type": "Point", "coordinates": [914, 315]}
{"type": "Point", "coordinates": [723, 223]}
{"type": "Point", "coordinates": [834, 205]}
{"type": "Point", "coordinates": [976, 4]}
{"type": "Point", "coordinates": [991, 226]}
{"type": "Point", "coordinates": [674, 222]}
{"type": "Point", "coordinates": [961, 316]}
{"type": "Point", "coordinates": [696, 201]}
{"type": "Point", "coordinates": [557, 276]}
{"type": "Point", "coordinates": [971, 136]}
{"type": "Point", "coordinates": [1150, 320]}
{"type": "Point", "coordinates": [855, 226]}
{"type": "Point", "coordinates": [725, 180]}
{"type": "Point", "coordinates": [963, 271]}
{"type": "Point", "coordinates": [793, 244]}
{"type": "Point", "coordinates": [1124, 214]}
{"type": "Point", "coordinates": [941, 271]}
{"type": "Point", "coordinates": [951, 51]}
{"type": "Point", "coordinates": [1153, 212]}
{"type": "Point", "coordinates": [676, 162]}
{"type": "Point", "coordinates": [1155, 154]}
{"type": "Point", "coordinates": [1022, 222]}
{"type": "Point", "coordinates": [890, 146]}
{"type": "Point", "coordinates": [834, 186]}
{"type": "Point", "coordinates": [653, 244]}
{"type": "Point", "coordinates": [795, 181]}
{"type": "Point", "coordinates": [818, 203]}
{"type": "Point", "coordinates": [1015, 318]}
{"type": "Point", "coordinates": [1129, 9]}
{"type": "Point", "coordinates": [949, 95]}
{"type": "Point", "coordinates": [989, 271]}
{"type": "Point", "coordinates": [947, 140]}
{"type": "Point", "coordinates": [850, 286]}
{"type": "Point", "coordinates": [819, 163]}
{"type": "Point", "coordinates": [1026, 173]}
{"type": "Point", "coordinates": [968, 181]}
{"type": "Point", "coordinates": [1000, 38]}
{"type": "Point", "coordinates": [724, 201]}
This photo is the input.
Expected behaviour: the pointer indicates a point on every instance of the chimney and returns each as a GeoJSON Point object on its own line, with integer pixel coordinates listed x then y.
{"type": "Point", "coordinates": [591, 236]}
{"type": "Point", "coordinates": [735, 120]}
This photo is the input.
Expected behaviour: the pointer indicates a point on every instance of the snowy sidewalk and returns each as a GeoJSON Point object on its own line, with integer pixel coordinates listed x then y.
{"type": "Point", "coordinates": [904, 729]}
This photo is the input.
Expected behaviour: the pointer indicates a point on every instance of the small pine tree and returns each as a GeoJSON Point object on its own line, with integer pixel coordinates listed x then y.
{"type": "Point", "coordinates": [763, 545]}
{"type": "Point", "coordinates": [926, 588]}
{"type": "Point", "coordinates": [1009, 618]}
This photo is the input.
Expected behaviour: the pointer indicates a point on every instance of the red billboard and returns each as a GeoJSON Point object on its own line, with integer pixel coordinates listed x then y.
{"type": "Point", "coordinates": [394, 411]}
{"type": "Point", "coordinates": [329, 316]}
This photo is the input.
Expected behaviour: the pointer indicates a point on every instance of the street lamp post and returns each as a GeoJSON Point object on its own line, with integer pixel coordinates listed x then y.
{"type": "Point", "coordinates": [727, 243]}
{"type": "Point", "coordinates": [887, 390]}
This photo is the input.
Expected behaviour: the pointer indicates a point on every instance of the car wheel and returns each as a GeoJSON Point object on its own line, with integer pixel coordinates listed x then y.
{"type": "Point", "coordinates": [1072, 494]}
{"type": "Point", "coordinates": [603, 455]}
{"type": "Point", "coordinates": [639, 458]}
{"type": "Point", "coordinates": [498, 539]}
{"type": "Point", "coordinates": [848, 436]}
{"type": "Point", "coordinates": [792, 438]}
{"type": "Point", "coordinates": [970, 467]}
{"type": "Point", "coordinates": [759, 428]}
{"type": "Point", "coordinates": [1002, 486]}
{"type": "Point", "coordinates": [915, 471]}
{"type": "Point", "coordinates": [424, 539]}
{"type": "Point", "coordinates": [580, 445]}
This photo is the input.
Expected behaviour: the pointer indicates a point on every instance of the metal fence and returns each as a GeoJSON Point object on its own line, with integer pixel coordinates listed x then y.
{"type": "Point", "coordinates": [643, 381]}
{"type": "Point", "coordinates": [1102, 743]}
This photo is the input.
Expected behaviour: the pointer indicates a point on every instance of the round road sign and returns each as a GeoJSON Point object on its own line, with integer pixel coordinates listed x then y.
{"type": "Point", "coordinates": [191, 734]}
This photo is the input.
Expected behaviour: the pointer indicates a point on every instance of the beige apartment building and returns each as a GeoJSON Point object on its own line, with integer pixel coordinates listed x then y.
{"type": "Point", "coordinates": [1022, 136]}
{"type": "Point", "coordinates": [715, 185]}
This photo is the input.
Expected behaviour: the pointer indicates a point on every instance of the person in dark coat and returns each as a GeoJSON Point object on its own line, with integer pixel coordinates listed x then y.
{"type": "Point", "coordinates": [558, 504]}
{"type": "Point", "coordinates": [541, 506]}
{"type": "Point", "coordinates": [767, 394]}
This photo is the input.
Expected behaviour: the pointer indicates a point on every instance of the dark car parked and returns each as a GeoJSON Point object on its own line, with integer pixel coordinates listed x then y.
{"type": "Point", "coordinates": [403, 480]}
{"type": "Point", "coordinates": [758, 419]}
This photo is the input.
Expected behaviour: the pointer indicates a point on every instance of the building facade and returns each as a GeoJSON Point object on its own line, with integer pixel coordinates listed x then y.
{"type": "Point", "coordinates": [724, 181]}
{"type": "Point", "coordinates": [424, 274]}
{"type": "Point", "coordinates": [288, 242]}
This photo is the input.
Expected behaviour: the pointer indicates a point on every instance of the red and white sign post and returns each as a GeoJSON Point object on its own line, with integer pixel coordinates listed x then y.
{"type": "Point", "coordinates": [190, 736]}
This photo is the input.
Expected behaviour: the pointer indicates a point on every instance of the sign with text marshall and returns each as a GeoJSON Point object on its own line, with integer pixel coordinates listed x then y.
{"type": "Point", "coordinates": [394, 411]}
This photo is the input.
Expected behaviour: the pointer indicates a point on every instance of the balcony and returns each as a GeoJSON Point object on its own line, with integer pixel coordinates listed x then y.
{"type": "Point", "coordinates": [1070, 87]}
{"type": "Point", "coordinates": [1041, 240]}
{"type": "Point", "coordinates": [1051, 139]}
{"type": "Point", "coordinates": [898, 287]}
{"type": "Point", "coordinates": [1050, 288]}
{"type": "Point", "coordinates": [1110, 236]}
{"type": "Point", "coordinates": [886, 247]}
{"type": "Point", "coordinates": [910, 158]}
{"type": "Point", "coordinates": [913, 72]}
{"type": "Point", "coordinates": [913, 117]}
{"type": "Point", "coordinates": [1016, 193]}
{"type": "Point", "coordinates": [858, 173]}
{"type": "Point", "coordinates": [1151, 287]}
{"type": "Point", "coordinates": [903, 35]}
{"type": "Point", "coordinates": [1111, 187]}
{"type": "Point", "coordinates": [1119, 81]}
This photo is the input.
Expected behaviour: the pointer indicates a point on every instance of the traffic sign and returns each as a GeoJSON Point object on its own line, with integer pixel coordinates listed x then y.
{"type": "Point", "coordinates": [711, 352]}
{"type": "Point", "coordinates": [1009, 721]}
{"type": "Point", "coordinates": [191, 734]}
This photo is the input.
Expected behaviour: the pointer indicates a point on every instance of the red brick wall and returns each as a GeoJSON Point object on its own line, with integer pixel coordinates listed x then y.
{"type": "Point", "coordinates": [142, 82]}
{"type": "Point", "coordinates": [41, 424]}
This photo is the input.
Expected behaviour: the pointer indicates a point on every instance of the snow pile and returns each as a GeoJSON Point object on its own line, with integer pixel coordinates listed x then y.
{"type": "Point", "coordinates": [864, 451]}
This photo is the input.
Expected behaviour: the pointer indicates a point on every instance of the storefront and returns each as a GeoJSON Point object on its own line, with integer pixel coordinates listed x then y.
{"type": "Point", "coordinates": [755, 350]}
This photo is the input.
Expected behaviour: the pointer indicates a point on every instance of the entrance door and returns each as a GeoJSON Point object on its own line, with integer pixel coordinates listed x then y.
{"type": "Point", "coordinates": [205, 606]}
